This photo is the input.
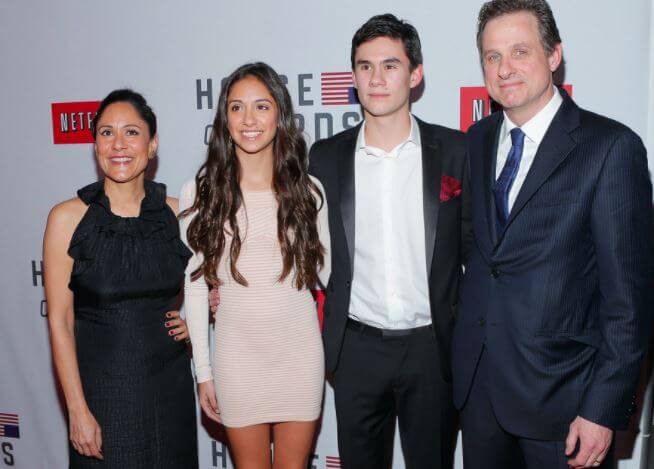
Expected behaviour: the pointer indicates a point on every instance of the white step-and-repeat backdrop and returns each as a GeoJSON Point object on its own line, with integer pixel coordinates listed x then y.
{"type": "Point", "coordinates": [59, 57]}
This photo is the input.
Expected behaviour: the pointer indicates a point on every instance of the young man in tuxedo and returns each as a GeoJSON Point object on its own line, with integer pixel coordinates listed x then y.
{"type": "Point", "coordinates": [555, 307]}
{"type": "Point", "coordinates": [396, 189]}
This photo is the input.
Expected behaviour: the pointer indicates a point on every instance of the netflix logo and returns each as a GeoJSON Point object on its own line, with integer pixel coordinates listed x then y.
{"type": "Point", "coordinates": [71, 122]}
{"type": "Point", "coordinates": [475, 104]}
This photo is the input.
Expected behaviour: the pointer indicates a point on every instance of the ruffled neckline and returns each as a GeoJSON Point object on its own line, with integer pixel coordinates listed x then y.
{"type": "Point", "coordinates": [100, 222]}
{"type": "Point", "coordinates": [148, 221]}
{"type": "Point", "coordinates": [155, 197]}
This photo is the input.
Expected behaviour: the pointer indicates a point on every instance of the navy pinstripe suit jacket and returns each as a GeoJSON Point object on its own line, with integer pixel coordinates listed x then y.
{"type": "Point", "coordinates": [560, 301]}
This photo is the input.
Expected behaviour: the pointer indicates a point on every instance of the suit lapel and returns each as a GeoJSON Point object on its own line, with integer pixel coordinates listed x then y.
{"type": "Point", "coordinates": [346, 185]}
{"type": "Point", "coordinates": [552, 152]}
{"type": "Point", "coordinates": [431, 187]}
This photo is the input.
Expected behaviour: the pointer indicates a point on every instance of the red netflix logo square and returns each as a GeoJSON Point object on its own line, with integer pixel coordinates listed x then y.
{"type": "Point", "coordinates": [475, 104]}
{"type": "Point", "coordinates": [71, 122]}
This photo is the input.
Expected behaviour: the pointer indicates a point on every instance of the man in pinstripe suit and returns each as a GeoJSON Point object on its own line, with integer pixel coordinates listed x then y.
{"type": "Point", "coordinates": [555, 307]}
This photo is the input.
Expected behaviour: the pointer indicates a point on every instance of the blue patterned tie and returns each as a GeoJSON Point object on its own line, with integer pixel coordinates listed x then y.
{"type": "Point", "coordinates": [502, 186]}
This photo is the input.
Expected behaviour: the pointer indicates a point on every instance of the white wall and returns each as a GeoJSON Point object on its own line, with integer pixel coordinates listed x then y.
{"type": "Point", "coordinates": [77, 51]}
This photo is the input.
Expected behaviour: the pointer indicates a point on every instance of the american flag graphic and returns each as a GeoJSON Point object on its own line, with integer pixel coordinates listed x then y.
{"type": "Point", "coordinates": [332, 462]}
{"type": "Point", "coordinates": [9, 425]}
{"type": "Point", "coordinates": [337, 88]}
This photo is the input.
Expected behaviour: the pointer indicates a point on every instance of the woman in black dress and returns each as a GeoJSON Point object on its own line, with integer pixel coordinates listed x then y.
{"type": "Point", "coordinates": [114, 265]}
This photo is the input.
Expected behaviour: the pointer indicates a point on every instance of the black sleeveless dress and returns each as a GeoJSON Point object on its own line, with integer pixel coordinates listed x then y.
{"type": "Point", "coordinates": [127, 274]}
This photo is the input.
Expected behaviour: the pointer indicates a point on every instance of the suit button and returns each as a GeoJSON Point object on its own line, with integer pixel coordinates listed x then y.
{"type": "Point", "coordinates": [347, 284]}
{"type": "Point", "coordinates": [481, 321]}
{"type": "Point", "coordinates": [495, 273]}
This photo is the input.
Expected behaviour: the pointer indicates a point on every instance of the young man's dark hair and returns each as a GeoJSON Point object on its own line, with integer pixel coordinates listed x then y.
{"type": "Point", "coordinates": [549, 33]}
{"type": "Point", "coordinates": [388, 25]}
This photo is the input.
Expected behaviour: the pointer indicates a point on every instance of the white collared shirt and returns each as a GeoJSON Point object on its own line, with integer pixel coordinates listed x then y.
{"type": "Point", "coordinates": [534, 130]}
{"type": "Point", "coordinates": [389, 286]}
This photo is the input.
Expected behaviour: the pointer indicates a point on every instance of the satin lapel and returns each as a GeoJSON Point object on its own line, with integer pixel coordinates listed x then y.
{"type": "Point", "coordinates": [431, 188]}
{"type": "Point", "coordinates": [489, 157]}
{"type": "Point", "coordinates": [346, 183]}
{"type": "Point", "coordinates": [552, 151]}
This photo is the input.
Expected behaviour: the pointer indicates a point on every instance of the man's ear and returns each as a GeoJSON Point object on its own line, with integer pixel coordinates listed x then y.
{"type": "Point", "coordinates": [416, 76]}
{"type": "Point", "coordinates": [555, 57]}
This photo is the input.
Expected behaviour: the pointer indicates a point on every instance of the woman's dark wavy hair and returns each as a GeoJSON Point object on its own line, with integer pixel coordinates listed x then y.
{"type": "Point", "coordinates": [218, 193]}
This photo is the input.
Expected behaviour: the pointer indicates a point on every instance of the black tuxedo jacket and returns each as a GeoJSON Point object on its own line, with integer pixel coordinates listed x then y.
{"type": "Point", "coordinates": [561, 299]}
{"type": "Point", "coordinates": [445, 226]}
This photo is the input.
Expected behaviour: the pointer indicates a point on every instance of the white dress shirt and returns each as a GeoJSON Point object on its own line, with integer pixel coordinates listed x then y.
{"type": "Point", "coordinates": [534, 130]}
{"type": "Point", "coordinates": [389, 286]}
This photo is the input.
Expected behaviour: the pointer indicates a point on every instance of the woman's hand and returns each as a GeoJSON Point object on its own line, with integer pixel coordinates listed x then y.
{"type": "Point", "coordinates": [85, 434]}
{"type": "Point", "coordinates": [214, 300]}
{"type": "Point", "coordinates": [208, 402]}
{"type": "Point", "coordinates": [176, 326]}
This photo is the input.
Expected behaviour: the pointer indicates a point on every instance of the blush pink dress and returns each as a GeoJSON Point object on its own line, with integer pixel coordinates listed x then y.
{"type": "Point", "coordinates": [268, 363]}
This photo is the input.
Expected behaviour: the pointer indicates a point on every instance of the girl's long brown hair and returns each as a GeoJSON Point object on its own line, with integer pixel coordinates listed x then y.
{"type": "Point", "coordinates": [218, 194]}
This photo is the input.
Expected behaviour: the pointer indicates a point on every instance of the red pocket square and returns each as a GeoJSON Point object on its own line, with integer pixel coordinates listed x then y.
{"type": "Point", "coordinates": [450, 188]}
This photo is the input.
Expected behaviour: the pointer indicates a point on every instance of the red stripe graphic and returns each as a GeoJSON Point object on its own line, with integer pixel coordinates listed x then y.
{"type": "Point", "coordinates": [332, 462]}
{"type": "Point", "coordinates": [335, 88]}
{"type": "Point", "coordinates": [326, 89]}
{"type": "Point", "coordinates": [8, 418]}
